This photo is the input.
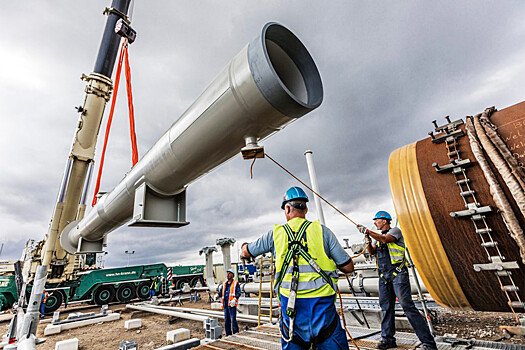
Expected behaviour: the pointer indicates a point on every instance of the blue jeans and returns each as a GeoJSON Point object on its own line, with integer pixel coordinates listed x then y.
{"type": "Point", "coordinates": [230, 320]}
{"type": "Point", "coordinates": [400, 288]}
{"type": "Point", "coordinates": [313, 315]}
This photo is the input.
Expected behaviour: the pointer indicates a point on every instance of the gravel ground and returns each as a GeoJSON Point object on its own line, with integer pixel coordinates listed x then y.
{"type": "Point", "coordinates": [108, 335]}
{"type": "Point", "coordinates": [464, 324]}
{"type": "Point", "coordinates": [475, 324]}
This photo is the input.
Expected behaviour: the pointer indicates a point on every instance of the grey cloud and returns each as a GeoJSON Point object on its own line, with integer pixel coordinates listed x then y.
{"type": "Point", "coordinates": [388, 69]}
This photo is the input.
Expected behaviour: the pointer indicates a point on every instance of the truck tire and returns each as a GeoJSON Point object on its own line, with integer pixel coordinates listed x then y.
{"type": "Point", "coordinates": [126, 292]}
{"type": "Point", "coordinates": [104, 295]}
{"type": "Point", "coordinates": [194, 281]}
{"type": "Point", "coordinates": [180, 283]}
{"type": "Point", "coordinates": [143, 290]}
{"type": "Point", "coordinates": [54, 300]}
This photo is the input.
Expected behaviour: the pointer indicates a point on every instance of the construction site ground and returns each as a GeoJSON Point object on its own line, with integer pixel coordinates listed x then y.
{"type": "Point", "coordinates": [152, 334]}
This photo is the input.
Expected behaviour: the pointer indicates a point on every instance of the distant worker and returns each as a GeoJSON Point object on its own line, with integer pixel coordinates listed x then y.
{"type": "Point", "coordinates": [246, 273]}
{"type": "Point", "coordinates": [389, 246]}
{"type": "Point", "coordinates": [153, 288]}
{"type": "Point", "coordinates": [43, 302]}
{"type": "Point", "coordinates": [230, 292]}
{"type": "Point", "coordinates": [307, 256]}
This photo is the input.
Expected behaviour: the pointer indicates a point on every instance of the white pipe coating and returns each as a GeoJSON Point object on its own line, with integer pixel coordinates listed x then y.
{"type": "Point", "coordinates": [168, 312]}
{"type": "Point", "coordinates": [211, 313]}
{"type": "Point", "coordinates": [315, 186]}
{"type": "Point", "coordinates": [363, 285]}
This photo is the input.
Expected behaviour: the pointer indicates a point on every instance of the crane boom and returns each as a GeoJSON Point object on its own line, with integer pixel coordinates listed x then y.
{"type": "Point", "coordinates": [70, 205]}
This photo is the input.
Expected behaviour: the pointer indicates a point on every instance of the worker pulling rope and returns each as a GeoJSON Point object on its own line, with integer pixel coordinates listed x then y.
{"type": "Point", "coordinates": [123, 58]}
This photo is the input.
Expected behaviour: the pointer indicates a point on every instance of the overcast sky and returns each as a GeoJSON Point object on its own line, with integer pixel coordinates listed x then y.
{"type": "Point", "coordinates": [388, 68]}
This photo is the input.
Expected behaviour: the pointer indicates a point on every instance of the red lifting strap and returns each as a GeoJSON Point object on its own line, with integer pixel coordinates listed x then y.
{"type": "Point", "coordinates": [134, 150]}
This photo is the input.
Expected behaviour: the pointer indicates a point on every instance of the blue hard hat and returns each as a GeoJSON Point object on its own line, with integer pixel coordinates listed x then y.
{"type": "Point", "coordinates": [231, 270]}
{"type": "Point", "coordinates": [382, 215]}
{"type": "Point", "coordinates": [294, 193]}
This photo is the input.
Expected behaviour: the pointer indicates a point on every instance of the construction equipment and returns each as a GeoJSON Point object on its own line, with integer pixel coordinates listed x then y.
{"type": "Point", "coordinates": [272, 82]}
{"type": "Point", "coordinates": [102, 286]}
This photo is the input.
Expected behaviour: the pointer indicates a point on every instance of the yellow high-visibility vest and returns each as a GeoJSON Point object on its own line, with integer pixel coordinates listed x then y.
{"type": "Point", "coordinates": [396, 252]}
{"type": "Point", "coordinates": [233, 285]}
{"type": "Point", "coordinates": [311, 284]}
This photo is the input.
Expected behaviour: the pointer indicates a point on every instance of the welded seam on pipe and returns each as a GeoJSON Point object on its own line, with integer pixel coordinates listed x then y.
{"type": "Point", "coordinates": [477, 139]}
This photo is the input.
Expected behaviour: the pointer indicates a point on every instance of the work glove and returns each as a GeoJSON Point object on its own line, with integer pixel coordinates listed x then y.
{"type": "Point", "coordinates": [362, 229]}
{"type": "Point", "coordinates": [232, 303]}
{"type": "Point", "coordinates": [246, 259]}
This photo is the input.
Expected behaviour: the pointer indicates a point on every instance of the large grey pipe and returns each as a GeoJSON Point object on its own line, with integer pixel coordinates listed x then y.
{"type": "Point", "coordinates": [359, 285]}
{"type": "Point", "coordinates": [269, 84]}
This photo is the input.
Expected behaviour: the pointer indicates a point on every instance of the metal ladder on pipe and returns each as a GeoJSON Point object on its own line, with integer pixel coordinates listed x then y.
{"type": "Point", "coordinates": [265, 269]}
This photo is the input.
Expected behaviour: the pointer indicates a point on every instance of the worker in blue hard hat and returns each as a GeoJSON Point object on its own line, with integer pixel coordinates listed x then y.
{"type": "Point", "coordinates": [389, 246]}
{"type": "Point", "coordinates": [307, 256]}
{"type": "Point", "coordinates": [230, 292]}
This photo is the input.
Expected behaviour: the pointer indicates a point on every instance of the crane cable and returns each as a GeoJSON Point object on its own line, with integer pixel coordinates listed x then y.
{"type": "Point", "coordinates": [305, 185]}
{"type": "Point", "coordinates": [134, 151]}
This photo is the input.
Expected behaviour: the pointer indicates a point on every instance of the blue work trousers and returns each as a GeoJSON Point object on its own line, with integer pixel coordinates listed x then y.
{"type": "Point", "coordinates": [230, 320]}
{"type": "Point", "coordinates": [400, 288]}
{"type": "Point", "coordinates": [313, 315]}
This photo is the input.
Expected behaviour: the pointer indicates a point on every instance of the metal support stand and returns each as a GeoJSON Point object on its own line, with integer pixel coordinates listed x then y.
{"type": "Point", "coordinates": [421, 298]}
{"type": "Point", "coordinates": [27, 323]}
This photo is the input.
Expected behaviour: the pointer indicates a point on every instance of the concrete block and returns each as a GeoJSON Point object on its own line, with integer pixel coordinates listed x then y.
{"type": "Point", "coordinates": [133, 323]}
{"type": "Point", "coordinates": [183, 345]}
{"type": "Point", "coordinates": [128, 345]}
{"type": "Point", "coordinates": [52, 329]}
{"type": "Point", "coordinates": [206, 341]}
{"type": "Point", "coordinates": [68, 344]}
{"type": "Point", "coordinates": [178, 335]}
{"type": "Point", "coordinates": [55, 329]}
{"type": "Point", "coordinates": [214, 332]}
{"type": "Point", "coordinates": [215, 306]}
{"type": "Point", "coordinates": [210, 322]}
